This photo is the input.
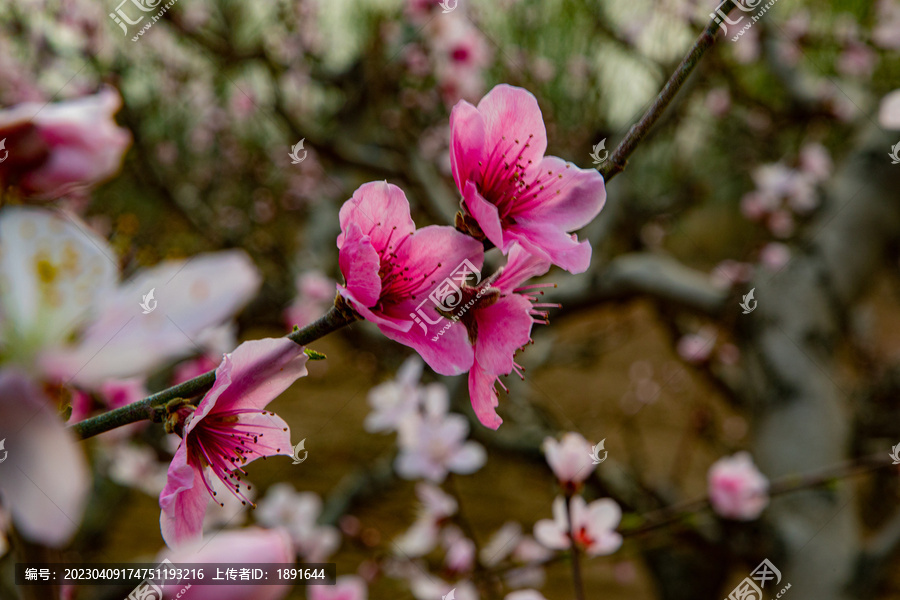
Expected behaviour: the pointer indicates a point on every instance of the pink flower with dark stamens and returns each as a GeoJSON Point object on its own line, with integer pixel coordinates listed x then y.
{"type": "Point", "coordinates": [513, 191]}
{"type": "Point", "coordinates": [229, 428]}
{"type": "Point", "coordinates": [390, 268]}
{"type": "Point", "coordinates": [499, 324]}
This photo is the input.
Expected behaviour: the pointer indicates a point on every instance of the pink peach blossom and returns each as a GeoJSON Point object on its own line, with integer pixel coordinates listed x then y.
{"type": "Point", "coordinates": [696, 348]}
{"type": "Point", "coordinates": [513, 191]}
{"type": "Point", "coordinates": [389, 268]}
{"type": "Point", "coordinates": [246, 546]}
{"type": "Point", "coordinates": [60, 147]}
{"type": "Point", "coordinates": [774, 256]}
{"type": "Point", "coordinates": [315, 293]}
{"type": "Point", "coordinates": [737, 490]}
{"type": "Point", "coordinates": [594, 526]}
{"type": "Point", "coordinates": [297, 513]}
{"type": "Point", "coordinates": [226, 431]}
{"type": "Point", "coordinates": [431, 446]}
{"type": "Point", "coordinates": [889, 110]}
{"type": "Point", "coordinates": [346, 587]}
{"type": "Point", "coordinates": [422, 537]}
{"type": "Point", "coordinates": [395, 400]}
{"type": "Point", "coordinates": [570, 459]}
{"type": "Point", "coordinates": [44, 479]}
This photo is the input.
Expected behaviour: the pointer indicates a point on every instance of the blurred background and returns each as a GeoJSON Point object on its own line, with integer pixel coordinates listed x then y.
{"type": "Point", "coordinates": [770, 171]}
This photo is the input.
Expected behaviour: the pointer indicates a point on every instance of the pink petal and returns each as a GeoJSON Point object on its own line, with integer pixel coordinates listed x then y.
{"type": "Point", "coordinates": [513, 113]}
{"type": "Point", "coordinates": [450, 354]}
{"type": "Point", "coordinates": [359, 264]}
{"type": "Point", "coordinates": [582, 196]}
{"type": "Point", "coordinates": [484, 397]}
{"type": "Point", "coordinates": [485, 213]}
{"type": "Point", "coordinates": [520, 267]}
{"type": "Point", "coordinates": [467, 145]}
{"type": "Point", "coordinates": [44, 480]}
{"type": "Point", "coordinates": [183, 502]}
{"type": "Point", "coordinates": [251, 545]}
{"type": "Point", "coordinates": [605, 514]}
{"type": "Point", "coordinates": [503, 328]}
{"type": "Point", "coordinates": [468, 459]}
{"type": "Point", "coordinates": [542, 239]}
{"type": "Point", "coordinates": [381, 211]}
{"type": "Point", "coordinates": [548, 533]}
{"type": "Point", "coordinates": [253, 375]}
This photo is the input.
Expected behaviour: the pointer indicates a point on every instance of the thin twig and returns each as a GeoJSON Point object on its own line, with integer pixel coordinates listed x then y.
{"type": "Point", "coordinates": [619, 158]}
{"type": "Point", "coordinates": [576, 557]}
{"type": "Point", "coordinates": [144, 409]}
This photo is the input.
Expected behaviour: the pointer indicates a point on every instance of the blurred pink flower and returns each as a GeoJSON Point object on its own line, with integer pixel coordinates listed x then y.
{"type": "Point", "coordinates": [718, 102]}
{"type": "Point", "coordinates": [857, 60]}
{"type": "Point", "coordinates": [431, 446]}
{"type": "Point", "coordinates": [422, 536]}
{"type": "Point", "coordinates": [737, 490]}
{"type": "Point", "coordinates": [389, 267]}
{"type": "Point", "coordinates": [511, 189]}
{"type": "Point", "coordinates": [246, 546]}
{"type": "Point", "coordinates": [460, 551]}
{"type": "Point", "coordinates": [501, 544]}
{"type": "Point", "coordinates": [570, 459]}
{"type": "Point", "coordinates": [886, 32]}
{"type": "Point", "coordinates": [192, 368]}
{"type": "Point", "coordinates": [774, 256]}
{"type": "Point", "coordinates": [730, 272]}
{"type": "Point", "coordinates": [594, 526]}
{"type": "Point", "coordinates": [395, 400]}
{"type": "Point", "coordinates": [815, 161]}
{"type": "Point", "coordinates": [57, 148]}
{"type": "Point", "coordinates": [461, 55]}
{"type": "Point", "coordinates": [315, 294]}
{"type": "Point", "coordinates": [44, 480]}
{"type": "Point", "coordinates": [121, 392]}
{"type": "Point", "coordinates": [225, 432]}
{"type": "Point", "coordinates": [346, 587]}
{"type": "Point", "coordinates": [297, 513]}
{"type": "Point", "coordinates": [696, 348]}
{"type": "Point", "coordinates": [66, 288]}
{"type": "Point", "coordinates": [525, 595]}
{"type": "Point", "coordinates": [499, 324]}
{"type": "Point", "coordinates": [889, 111]}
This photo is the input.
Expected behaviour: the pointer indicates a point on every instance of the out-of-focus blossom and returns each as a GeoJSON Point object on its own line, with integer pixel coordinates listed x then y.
{"type": "Point", "coordinates": [593, 526]}
{"type": "Point", "coordinates": [428, 587]}
{"type": "Point", "coordinates": [815, 162]}
{"type": "Point", "coordinates": [431, 446]}
{"type": "Point", "coordinates": [395, 400]}
{"type": "Point", "coordinates": [248, 546]}
{"type": "Point", "coordinates": [718, 102]}
{"type": "Point", "coordinates": [192, 368]}
{"type": "Point", "coordinates": [570, 459]}
{"type": "Point", "coordinates": [774, 256]}
{"type": "Point", "coordinates": [501, 544]}
{"type": "Point", "coordinates": [229, 428]}
{"type": "Point", "coordinates": [59, 148]}
{"type": "Point", "coordinates": [731, 272]}
{"type": "Point", "coordinates": [696, 348]}
{"type": "Point", "coordinates": [121, 392]}
{"type": "Point", "coordinates": [315, 293]}
{"type": "Point", "coordinates": [389, 267]}
{"type": "Point", "coordinates": [422, 537]}
{"type": "Point", "coordinates": [297, 513]}
{"type": "Point", "coordinates": [44, 480]}
{"type": "Point", "coordinates": [59, 280]}
{"type": "Point", "coordinates": [461, 54]}
{"type": "Point", "coordinates": [737, 490]}
{"type": "Point", "coordinates": [889, 111]}
{"type": "Point", "coordinates": [886, 33]}
{"type": "Point", "coordinates": [857, 60]}
{"type": "Point", "coordinates": [525, 595]}
{"type": "Point", "coordinates": [460, 551]}
{"type": "Point", "coordinates": [346, 587]}
{"type": "Point", "coordinates": [135, 466]}
{"type": "Point", "coordinates": [511, 191]}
